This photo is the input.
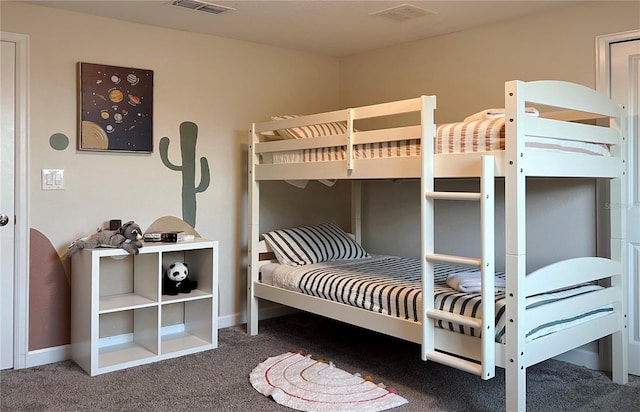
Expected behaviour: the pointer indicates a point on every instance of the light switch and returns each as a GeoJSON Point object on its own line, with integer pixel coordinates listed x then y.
{"type": "Point", "coordinates": [52, 179]}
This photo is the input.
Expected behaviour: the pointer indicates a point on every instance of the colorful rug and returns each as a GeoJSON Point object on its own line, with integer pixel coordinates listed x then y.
{"type": "Point", "coordinates": [304, 384]}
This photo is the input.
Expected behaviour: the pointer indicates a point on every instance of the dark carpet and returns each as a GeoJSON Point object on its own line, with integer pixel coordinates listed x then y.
{"type": "Point", "coordinates": [218, 380]}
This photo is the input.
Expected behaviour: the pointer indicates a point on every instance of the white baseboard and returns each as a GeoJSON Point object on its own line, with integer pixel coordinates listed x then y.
{"type": "Point", "coordinates": [267, 313]}
{"type": "Point", "coordinates": [582, 357]}
{"type": "Point", "coordinates": [63, 352]}
{"type": "Point", "coordinates": [128, 337]}
{"type": "Point", "coordinates": [48, 355]}
{"type": "Point", "coordinates": [578, 356]}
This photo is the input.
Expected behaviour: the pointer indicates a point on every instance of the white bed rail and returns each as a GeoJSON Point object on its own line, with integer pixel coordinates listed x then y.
{"type": "Point", "coordinates": [486, 197]}
{"type": "Point", "coordinates": [395, 129]}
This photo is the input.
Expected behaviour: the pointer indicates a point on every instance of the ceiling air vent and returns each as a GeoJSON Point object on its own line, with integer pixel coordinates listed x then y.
{"type": "Point", "coordinates": [201, 6]}
{"type": "Point", "coordinates": [403, 12]}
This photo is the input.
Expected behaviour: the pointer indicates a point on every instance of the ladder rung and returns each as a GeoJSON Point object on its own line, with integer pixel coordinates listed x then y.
{"type": "Point", "coordinates": [455, 362]}
{"type": "Point", "coordinates": [454, 195]}
{"type": "Point", "coordinates": [455, 318]}
{"type": "Point", "coordinates": [461, 260]}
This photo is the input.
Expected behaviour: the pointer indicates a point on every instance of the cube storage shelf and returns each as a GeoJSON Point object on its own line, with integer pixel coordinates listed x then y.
{"type": "Point", "coordinates": [119, 316]}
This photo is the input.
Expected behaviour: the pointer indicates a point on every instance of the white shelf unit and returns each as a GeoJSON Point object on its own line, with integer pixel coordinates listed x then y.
{"type": "Point", "coordinates": [119, 316]}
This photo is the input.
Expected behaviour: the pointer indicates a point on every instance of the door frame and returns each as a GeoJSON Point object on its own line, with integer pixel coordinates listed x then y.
{"type": "Point", "coordinates": [603, 85]}
{"type": "Point", "coordinates": [21, 200]}
{"type": "Point", "coordinates": [603, 57]}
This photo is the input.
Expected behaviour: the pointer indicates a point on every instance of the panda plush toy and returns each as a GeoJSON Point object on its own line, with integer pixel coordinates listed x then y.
{"type": "Point", "coordinates": [176, 280]}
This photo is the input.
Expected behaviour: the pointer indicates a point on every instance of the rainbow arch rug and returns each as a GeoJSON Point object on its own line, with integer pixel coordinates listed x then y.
{"type": "Point", "coordinates": [304, 384]}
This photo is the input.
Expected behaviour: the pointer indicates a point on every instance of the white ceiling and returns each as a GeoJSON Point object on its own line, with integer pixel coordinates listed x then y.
{"type": "Point", "coordinates": [328, 27]}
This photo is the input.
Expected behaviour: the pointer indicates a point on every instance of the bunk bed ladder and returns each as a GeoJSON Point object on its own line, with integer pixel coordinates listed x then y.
{"type": "Point", "coordinates": [486, 367]}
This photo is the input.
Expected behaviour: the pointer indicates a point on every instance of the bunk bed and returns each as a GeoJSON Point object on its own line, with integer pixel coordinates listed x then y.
{"type": "Point", "coordinates": [556, 142]}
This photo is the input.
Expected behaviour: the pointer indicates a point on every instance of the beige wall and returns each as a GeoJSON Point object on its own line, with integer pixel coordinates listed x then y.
{"type": "Point", "coordinates": [221, 85]}
{"type": "Point", "coordinates": [467, 71]}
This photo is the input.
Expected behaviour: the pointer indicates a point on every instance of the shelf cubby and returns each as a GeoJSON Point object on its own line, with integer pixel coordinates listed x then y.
{"type": "Point", "coordinates": [194, 329]}
{"type": "Point", "coordinates": [128, 336]}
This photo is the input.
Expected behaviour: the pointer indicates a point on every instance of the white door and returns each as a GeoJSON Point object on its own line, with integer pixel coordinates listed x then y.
{"type": "Point", "coordinates": [14, 177]}
{"type": "Point", "coordinates": [623, 85]}
{"type": "Point", "coordinates": [7, 150]}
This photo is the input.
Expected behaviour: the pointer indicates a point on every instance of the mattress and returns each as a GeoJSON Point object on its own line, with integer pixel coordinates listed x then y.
{"type": "Point", "coordinates": [391, 285]}
{"type": "Point", "coordinates": [462, 137]}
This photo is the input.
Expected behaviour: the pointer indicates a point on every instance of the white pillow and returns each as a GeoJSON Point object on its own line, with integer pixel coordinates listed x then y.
{"type": "Point", "coordinates": [304, 245]}
{"type": "Point", "coordinates": [498, 113]}
{"type": "Point", "coordinates": [272, 135]}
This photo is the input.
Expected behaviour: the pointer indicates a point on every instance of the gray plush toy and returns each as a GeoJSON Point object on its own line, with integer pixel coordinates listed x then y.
{"type": "Point", "coordinates": [126, 237]}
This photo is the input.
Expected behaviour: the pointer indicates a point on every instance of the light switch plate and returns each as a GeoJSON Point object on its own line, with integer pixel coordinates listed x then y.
{"type": "Point", "coordinates": [52, 179]}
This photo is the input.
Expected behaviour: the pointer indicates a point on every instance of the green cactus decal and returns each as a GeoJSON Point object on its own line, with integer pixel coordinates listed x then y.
{"type": "Point", "coordinates": [188, 138]}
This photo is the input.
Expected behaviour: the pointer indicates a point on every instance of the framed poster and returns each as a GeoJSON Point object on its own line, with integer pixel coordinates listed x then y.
{"type": "Point", "coordinates": [116, 108]}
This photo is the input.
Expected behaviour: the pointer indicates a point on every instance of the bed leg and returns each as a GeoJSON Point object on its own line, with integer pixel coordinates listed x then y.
{"type": "Point", "coordinates": [515, 388]}
{"type": "Point", "coordinates": [252, 313]}
{"type": "Point", "coordinates": [619, 357]}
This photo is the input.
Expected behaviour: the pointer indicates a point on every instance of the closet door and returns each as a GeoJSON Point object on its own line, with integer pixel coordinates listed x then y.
{"type": "Point", "coordinates": [14, 238]}
{"type": "Point", "coordinates": [619, 77]}
{"type": "Point", "coordinates": [7, 213]}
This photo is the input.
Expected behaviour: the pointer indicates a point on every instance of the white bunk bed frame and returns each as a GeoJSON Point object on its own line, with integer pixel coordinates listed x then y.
{"type": "Point", "coordinates": [514, 164]}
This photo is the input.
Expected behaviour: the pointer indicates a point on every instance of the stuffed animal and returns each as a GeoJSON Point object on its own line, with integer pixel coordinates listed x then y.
{"type": "Point", "coordinates": [176, 280]}
{"type": "Point", "coordinates": [126, 237]}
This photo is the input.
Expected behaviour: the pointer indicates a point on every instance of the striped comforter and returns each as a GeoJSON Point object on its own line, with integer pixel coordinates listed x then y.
{"type": "Point", "coordinates": [391, 285]}
{"type": "Point", "coordinates": [474, 136]}
{"type": "Point", "coordinates": [462, 137]}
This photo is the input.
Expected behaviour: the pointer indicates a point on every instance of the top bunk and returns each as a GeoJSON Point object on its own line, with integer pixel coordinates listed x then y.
{"type": "Point", "coordinates": [546, 129]}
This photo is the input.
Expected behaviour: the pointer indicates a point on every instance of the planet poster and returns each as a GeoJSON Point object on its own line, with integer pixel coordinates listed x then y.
{"type": "Point", "coordinates": [116, 108]}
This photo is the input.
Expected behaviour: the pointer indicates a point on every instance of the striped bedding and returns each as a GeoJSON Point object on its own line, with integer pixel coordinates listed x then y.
{"type": "Point", "coordinates": [391, 285]}
{"type": "Point", "coordinates": [489, 134]}
{"type": "Point", "coordinates": [474, 136]}
{"type": "Point", "coordinates": [403, 148]}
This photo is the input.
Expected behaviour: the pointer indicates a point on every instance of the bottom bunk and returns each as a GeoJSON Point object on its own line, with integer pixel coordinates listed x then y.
{"type": "Point", "coordinates": [391, 285]}
{"type": "Point", "coordinates": [336, 278]}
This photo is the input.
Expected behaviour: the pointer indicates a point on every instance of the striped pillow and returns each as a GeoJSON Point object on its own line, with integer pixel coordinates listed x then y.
{"type": "Point", "coordinates": [314, 130]}
{"type": "Point", "coordinates": [312, 244]}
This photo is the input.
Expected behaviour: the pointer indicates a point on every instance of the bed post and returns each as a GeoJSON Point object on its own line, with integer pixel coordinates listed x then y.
{"type": "Point", "coordinates": [356, 210]}
{"type": "Point", "coordinates": [618, 227]}
{"type": "Point", "coordinates": [253, 235]}
{"type": "Point", "coordinates": [428, 134]}
{"type": "Point", "coordinates": [515, 248]}
{"type": "Point", "coordinates": [487, 233]}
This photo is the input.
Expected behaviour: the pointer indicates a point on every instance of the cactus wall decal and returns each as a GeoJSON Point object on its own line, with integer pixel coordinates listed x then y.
{"type": "Point", "coordinates": [188, 138]}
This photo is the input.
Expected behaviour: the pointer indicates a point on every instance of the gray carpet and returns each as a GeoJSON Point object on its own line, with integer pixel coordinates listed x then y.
{"type": "Point", "coordinates": [218, 380]}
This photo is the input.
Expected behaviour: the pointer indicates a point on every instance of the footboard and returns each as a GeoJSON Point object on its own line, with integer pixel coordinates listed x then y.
{"type": "Point", "coordinates": [571, 272]}
{"type": "Point", "coordinates": [590, 316]}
